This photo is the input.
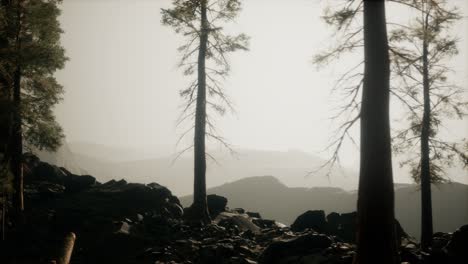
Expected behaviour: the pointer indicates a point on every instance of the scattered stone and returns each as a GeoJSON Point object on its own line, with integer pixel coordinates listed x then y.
{"type": "Point", "coordinates": [123, 228]}
{"type": "Point", "coordinates": [121, 222]}
{"type": "Point", "coordinates": [241, 222]}
{"type": "Point", "coordinates": [282, 251]}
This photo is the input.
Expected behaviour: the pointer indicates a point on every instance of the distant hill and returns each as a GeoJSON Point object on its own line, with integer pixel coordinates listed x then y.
{"type": "Point", "coordinates": [282, 197]}
{"type": "Point", "coordinates": [99, 160]}
{"type": "Point", "coordinates": [157, 165]}
{"type": "Point", "coordinates": [291, 167]}
{"type": "Point", "coordinates": [275, 200]}
{"type": "Point", "coordinates": [106, 153]}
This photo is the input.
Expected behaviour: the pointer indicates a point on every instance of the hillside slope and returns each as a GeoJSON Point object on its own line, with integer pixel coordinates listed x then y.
{"type": "Point", "coordinates": [275, 200]}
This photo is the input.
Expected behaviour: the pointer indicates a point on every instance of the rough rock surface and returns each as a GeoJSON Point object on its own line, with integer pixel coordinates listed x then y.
{"type": "Point", "coordinates": [311, 219]}
{"type": "Point", "coordinates": [105, 217]}
{"type": "Point", "coordinates": [120, 222]}
{"type": "Point", "coordinates": [216, 204]}
{"type": "Point", "coordinates": [458, 245]}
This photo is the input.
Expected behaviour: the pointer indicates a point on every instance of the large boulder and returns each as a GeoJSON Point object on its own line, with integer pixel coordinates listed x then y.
{"type": "Point", "coordinates": [216, 204]}
{"type": "Point", "coordinates": [38, 172]}
{"type": "Point", "coordinates": [45, 172]}
{"type": "Point", "coordinates": [116, 214]}
{"type": "Point", "coordinates": [75, 183]}
{"type": "Point", "coordinates": [121, 199]}
{"type": "Point", "coordinates": [346, 226]}
{"type": "Point", "coordinates": [457, 248]}
{"type": "Point", "coordinates": [341, 225]}
{"type": "Point", "coordinates": [311, 219]}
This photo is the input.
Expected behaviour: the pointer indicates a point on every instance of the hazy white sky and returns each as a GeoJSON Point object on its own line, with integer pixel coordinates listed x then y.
{"type": "Point", "coordinates": [122, 82]}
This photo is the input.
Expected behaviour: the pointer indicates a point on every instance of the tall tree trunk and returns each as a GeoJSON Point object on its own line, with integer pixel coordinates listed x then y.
{"type": "Point", "coordinates": [199, 208]}
{"type": "Point", "coordinates": [4, 83]}
{"type": "Point", "coordinates": [17, 146]}
{"type": "Point", "coordinates": [376, 238]}
{"type": "Point", "coordinates": [425, 177]}
{"type": "Point", "coordinates": [5, 95]}
{"type": "Point", "coordinates": [17, 137]}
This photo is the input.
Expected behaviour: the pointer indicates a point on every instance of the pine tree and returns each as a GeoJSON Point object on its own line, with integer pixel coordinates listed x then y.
{"type": "Point", "coordinates": [31, 55]}
{"type": "Point", "coordinates": [420, 54]}
{"type": "Point", "coordinates": [204, 52]}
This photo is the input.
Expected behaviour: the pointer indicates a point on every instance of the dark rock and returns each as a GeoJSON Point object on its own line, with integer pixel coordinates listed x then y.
{"type": "Point", "coordinates": [304, 245]}
{"type": "Point", "coordinates": [311, 219]}
{"type": "Point", "coordinates": [173, 199]}
{"type": "Point", "coordinates": [109, 183]}
{"type": "Point", "coordinates": [120, 222]}
{"type": "Point", "coordinates": [67, 172]}
{"type": "Point", "coordinates": [400, 233]}
{"type": "Point", "coordinates": [216, 204]}
{"type": "Point", "coordinates": [91, 213]}
{"type": "Point", "coordinates": [37, 172]}
{"type": "Point", "coordinates": [238, 210]}
{"type": "Point", "coordinates": [175, 209]}
{"type": "Point", "coordinates": [239, 222]}
{"type": "Point", "coordinates": [46, 172]}
{"type": "Point", "coordinates": [50, 190]}
{"type": "Point", "coordinates": [44, 191]}
{"type": "Point", "coordinates": [333, 219]}
{"type": "Point", "coordinates": [254, 214]}
{"type": "Point", "coordinates": [457, 248]}
{"type": "Point", "coordinates": [155, 186]}
{"type": "Point", "coordinates": [347, 230]}
{"type": "Point", "coordinates": [30, 162]}
{"type": "Point", "coordinates": [264, 223]}
{"type": "Point", "coordinates": [216, 254]}
{"type": "Point", "coordinates": [410, 254]}
{"type": "Point", "coordinates": [440, 240]}
{"type": "Point", "coordinates": [75, 183]}
{"type": "Point", "coordinates": [438, 256]}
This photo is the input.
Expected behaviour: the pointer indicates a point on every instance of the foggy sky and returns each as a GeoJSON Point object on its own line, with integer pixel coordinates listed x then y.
{"type": "Point", "coordinates": [122, 79]}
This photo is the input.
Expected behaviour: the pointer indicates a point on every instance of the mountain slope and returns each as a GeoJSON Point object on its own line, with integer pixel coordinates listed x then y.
{"type": "Point", "coordinates": [275, 200]}
{"type": "Point", "coordinates": [290, 167]}
{"type": "Point", "coordinates": [106, 153]}
{"type": "Point", "coordinates": [63, 157]}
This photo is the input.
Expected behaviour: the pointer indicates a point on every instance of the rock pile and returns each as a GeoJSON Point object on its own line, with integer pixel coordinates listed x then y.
{"type": "Point", "coordinates": [120, 222]}
{"type": "Point", "coordinates": [236, 238]}
{"type": "Point", "coordinates": [101, 215]}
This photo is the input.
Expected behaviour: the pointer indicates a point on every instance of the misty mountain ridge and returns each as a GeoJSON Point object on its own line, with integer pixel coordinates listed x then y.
{"type": "Point", "coordinates": [117, 153]}
{"type": "Point", "coordinates": [63, 157]}
{"type": "Point", "coordinates": [274, 200]}
{"type": "Point", "coordinates": [291, 167]}
{"type": "Point", "coordinates": [283, 195]}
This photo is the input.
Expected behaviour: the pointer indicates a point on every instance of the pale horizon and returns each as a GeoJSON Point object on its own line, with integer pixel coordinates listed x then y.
{"type": "Point", "coordinates": [122, 82]}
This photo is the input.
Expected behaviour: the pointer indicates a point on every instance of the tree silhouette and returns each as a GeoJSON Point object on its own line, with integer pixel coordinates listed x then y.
{"type": "Point", "coordinates": [376, 238]}
{"type": "Point", "coordinates": [420, 54]}
{"type": "Point", "coordinates": [204, 52]}
{"type": "Point", "coordinates": [31, 55]}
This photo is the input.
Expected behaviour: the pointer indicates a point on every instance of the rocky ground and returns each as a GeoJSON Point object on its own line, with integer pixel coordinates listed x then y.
{"type": "Point", "coordinates": [120, 222]}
